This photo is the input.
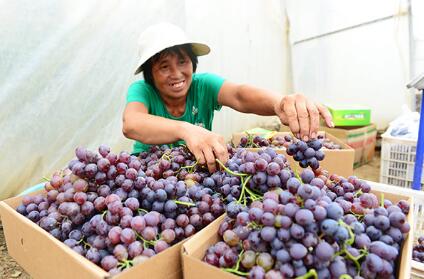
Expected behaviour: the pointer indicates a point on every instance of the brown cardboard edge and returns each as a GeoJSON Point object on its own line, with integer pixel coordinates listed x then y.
{"type": "Point", "coordinates": [190, 246]}
{"type": "Point", "coordinates": [148, 268]}
{"type": "Point", "coordinates": [196, 246]}
{"type": "Point", "coordinates": [154, 267]}
{"type": "Point", "coordinates": [9, 212]}
{"type": "Point", "coordinates": [193, 266]}
{"type": "Point", "coordinates": [404, 266]}
{"type": "Point", "coordinates": [417, 268]}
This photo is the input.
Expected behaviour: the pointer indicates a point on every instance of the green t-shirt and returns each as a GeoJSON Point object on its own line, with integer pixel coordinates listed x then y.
{"type": "Point", "coordinates": [202, 101]}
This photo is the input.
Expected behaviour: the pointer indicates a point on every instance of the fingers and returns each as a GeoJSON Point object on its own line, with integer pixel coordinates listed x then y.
{"type": "Point", "coordinates": [303, 116]}
{"type": "Point", "coordinates": [326, 115]}
{"type": "Point", "coordinates": [210, 159]}
{"type": "Point", "coordinates": [206, 146]}
{"type": "Point", "coordinates": [220, 151]}
{"type": "Point", "coordinates": [197, 152]}
{"type": "Point", "coordinates": [289, 108]}
{"type": "Point", "coordinates": [314, 118]}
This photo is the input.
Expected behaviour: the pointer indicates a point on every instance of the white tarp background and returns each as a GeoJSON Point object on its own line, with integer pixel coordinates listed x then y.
{"type": "Point", "coordinates": [65, 67]}
{"type": "Point", "coordinates": [367, 65]}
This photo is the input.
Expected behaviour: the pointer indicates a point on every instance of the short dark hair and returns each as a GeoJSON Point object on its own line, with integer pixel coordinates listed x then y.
{"type": "Point", "coordinates": [177, 50]}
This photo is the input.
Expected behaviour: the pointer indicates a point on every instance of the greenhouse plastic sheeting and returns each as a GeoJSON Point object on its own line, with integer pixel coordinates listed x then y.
{"type": "Point", "coordinates": [66, 65]}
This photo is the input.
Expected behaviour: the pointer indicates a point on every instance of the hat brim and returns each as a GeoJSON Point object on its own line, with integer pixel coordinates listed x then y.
{"type": "Point", "coordinates": [199, 49]}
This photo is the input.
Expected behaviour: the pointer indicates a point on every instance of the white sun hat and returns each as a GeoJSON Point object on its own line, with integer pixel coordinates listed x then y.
{"type": "Point", "coordinates": [161, 36]}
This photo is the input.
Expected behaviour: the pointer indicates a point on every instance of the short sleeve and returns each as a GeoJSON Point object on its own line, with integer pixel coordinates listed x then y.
{"type": "Point", "coordinates": [211, 84]}
{"type": "Point", "coordinates": [139, 92]}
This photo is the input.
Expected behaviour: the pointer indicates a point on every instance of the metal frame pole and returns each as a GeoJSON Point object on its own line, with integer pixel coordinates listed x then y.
{"type": "Point", "coordinates": [416, 184]}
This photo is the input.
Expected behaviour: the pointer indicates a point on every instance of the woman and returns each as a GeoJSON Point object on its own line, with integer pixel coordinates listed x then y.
{"type": "Point", "coordinates": [174, 104]}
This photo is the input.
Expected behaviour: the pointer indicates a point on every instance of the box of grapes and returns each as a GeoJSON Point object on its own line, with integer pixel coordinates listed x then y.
{"type": "Point", "coordinates": [361, 139]}
{"type": "Point", "coordinates": [43, 256]}
{"type": "Point", "coordinates": [338, 157]}
{"type": "Point", "coordinates": [371, 241]}
{"type": "Point", "coordinates": [110, 214]}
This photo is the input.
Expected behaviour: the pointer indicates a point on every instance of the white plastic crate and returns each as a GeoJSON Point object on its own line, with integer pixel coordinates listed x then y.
{"type": "Point", "coordinates": [398, 161]}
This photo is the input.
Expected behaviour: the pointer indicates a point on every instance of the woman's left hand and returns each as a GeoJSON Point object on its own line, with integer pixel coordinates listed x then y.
{"type": "Point", "coordinates": [302, 115]}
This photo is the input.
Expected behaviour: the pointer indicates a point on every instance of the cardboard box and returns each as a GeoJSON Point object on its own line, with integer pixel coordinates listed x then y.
{"type": "Point", "coordinates": [339, 161]}
{"type": "Point", "coordinates": [194, 251]}
{"type": "Point", "coordinates": [361, 139]}
{"type": "Point", "coordinates": [350, 115]}
{"type": "Point", "coordinates": [44, 257]}
{"type": "Point", "coordinates": [417, 270]}
{"type": "Point", "coordinates": [195, 248]}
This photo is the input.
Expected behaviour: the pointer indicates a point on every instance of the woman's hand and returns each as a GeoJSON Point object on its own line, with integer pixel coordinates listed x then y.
{"type": "Point", "coordinates": [302, 115]}
{"type": "Point", "coordinates": [205, 145]}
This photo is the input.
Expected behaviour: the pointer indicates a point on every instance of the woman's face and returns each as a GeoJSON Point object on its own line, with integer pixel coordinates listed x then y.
{"type": "Point", "coordinates": [172, 75]}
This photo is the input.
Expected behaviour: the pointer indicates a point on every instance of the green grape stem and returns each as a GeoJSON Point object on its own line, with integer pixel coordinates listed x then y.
{"type": "Point", "coordinates": [140, 210]}
{"type": "Point", "coordinates": [104, 213]}
{"type": "Point", "coordinates": [345, 252]}
{"type": "Point", "coordinates": [296, 174]}
{"type": "Point", "coordinates": [235, 269]}
{"type": "Point", "coordinates": [250, 142]}
{"type": "Point", "coordinates": [184, 203]}
{"type": "Point", "coordinates": [351, 240]}
{"type": "Point", "coordinates": [125, 264]}
{"type": "Point", "coordinates": [358, 216]}
{"type": "Point", "coordinates": [254, 225]}
{"type": "Point", "coordinates": [145, 242]}
{"type": "Point", "coordinates": [300, 200]}
{"type": "Point", "coordinates": [312, 273]}
{"type": "Point", "coordinates": [244, 189]}
{"type": "Point", "coordinates": [358, 193]}
{"type": "Point", "coordinates": [253, 195]}
{"type": "Point", "coordinates": [86, 244]}
{"type": "Point", "coordinates": [230, 171]}
{"type": "Point", "coordinates": [353, 259]}
{"type": "Point", "coordinates": [166, 156]}
{"type": "Point", "coordinates": [190, 169]}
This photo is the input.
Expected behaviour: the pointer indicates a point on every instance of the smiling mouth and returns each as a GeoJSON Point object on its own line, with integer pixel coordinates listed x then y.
{"type": "Point", "coordinates": [177, 85]}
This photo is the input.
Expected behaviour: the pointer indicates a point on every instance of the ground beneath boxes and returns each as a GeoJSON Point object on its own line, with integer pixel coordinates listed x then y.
{"type": "Point", "coordinates": [8, 267]}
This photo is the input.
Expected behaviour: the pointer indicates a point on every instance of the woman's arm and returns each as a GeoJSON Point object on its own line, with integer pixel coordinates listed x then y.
{"type": "Point", "coordinates": [139, 125]}
{"type": "Point", "coordinates": [296, 111]}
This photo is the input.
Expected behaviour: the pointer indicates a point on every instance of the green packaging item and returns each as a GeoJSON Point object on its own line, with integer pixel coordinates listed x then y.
{"type": "Point", "coordinates": [350, 115]}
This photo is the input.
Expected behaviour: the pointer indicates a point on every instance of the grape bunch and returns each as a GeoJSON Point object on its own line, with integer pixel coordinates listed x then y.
{"type": "Point", "coordinates": [281, 141]}
{"type": "Point", "coordinates": [118, 210]}
{"type": "Point", "coordinates": [327, 143]}
{"type": "Point", "coordinates": [252, 174]}
{"type": "Point", "coordinates": [309, 227]}
{"type": "Point", "coordinates": [307, 153]}
{"type": "Point", "coordinates": [276, 141]}
{"type": "Point", "coordinates": [418, 250]}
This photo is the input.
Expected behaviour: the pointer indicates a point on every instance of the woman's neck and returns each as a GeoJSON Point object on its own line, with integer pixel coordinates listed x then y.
{"type": "Point", "coordinates": [175, 107]}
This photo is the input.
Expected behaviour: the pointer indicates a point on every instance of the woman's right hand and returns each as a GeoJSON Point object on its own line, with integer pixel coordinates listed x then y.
{"type": "Point", "coordinates": [205, 145]}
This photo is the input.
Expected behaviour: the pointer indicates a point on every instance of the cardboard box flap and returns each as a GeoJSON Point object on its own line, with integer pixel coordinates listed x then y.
{"type": "Point", "coordinates": [194, 267]}
{"type": "Point", "coordinates": [167, 260]}
{"type": "Point", "coordinates": [23, 238]}
{"type": "Point", "coordinates": [192, 246]}
{"type": "Point", "coordinates": [45, 257]}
